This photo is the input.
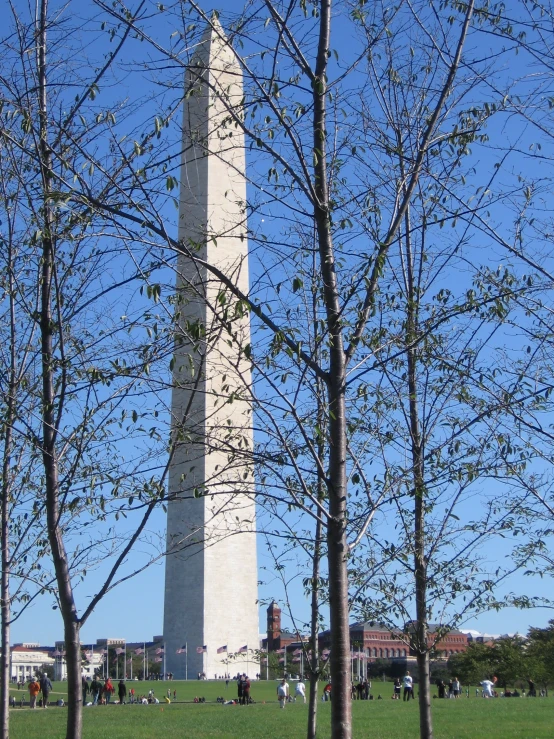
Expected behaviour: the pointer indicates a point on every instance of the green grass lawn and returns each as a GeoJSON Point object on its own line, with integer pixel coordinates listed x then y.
{"type": "Point", "coordinates": [473, 718]}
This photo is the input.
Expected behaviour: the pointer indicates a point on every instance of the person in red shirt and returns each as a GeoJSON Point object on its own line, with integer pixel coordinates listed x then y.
{"type": "Point", "coordinates": [108, 689]}
{"type": "Point", "coordinates": [34, 690]}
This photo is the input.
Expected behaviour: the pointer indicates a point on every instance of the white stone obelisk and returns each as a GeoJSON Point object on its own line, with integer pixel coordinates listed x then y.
{"type": "Point", "coordinates": [211, 567]}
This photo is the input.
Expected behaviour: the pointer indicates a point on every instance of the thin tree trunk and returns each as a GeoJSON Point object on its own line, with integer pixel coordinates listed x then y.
{"type": "Point", "coordinates": [337, 549]}
{"type": "Point", "coordinates": [420, 563]}
{"type": "Point", "coordinates": [5, 596]}
{"type": "Point", "coordinates": [314, 662]}
{"type": "Point", "coordinates": [49, 451]}
{"type": "Point", "coordinates": [5, 515]}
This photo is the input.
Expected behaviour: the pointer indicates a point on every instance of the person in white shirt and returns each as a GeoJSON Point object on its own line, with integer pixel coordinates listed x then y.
{"type": "Point", "coordinates": [301, 689]}
{"type": "Point", "coordinates": [283, 692]}
{"type": "Point", "coordinates": [408, 687]}
{"type": "Point", "coordinates": [487, 686]}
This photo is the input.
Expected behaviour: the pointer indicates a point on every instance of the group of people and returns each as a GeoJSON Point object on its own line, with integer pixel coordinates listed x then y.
{"type": "Point", "coordinates": [283, 692]}
{"type": "Point", "coordinates": [453, 690]}
{"type": "Point", "coordinates": [102, 692]}
{"type": "Point", "coordinates": [360, 690]}
{"type": "Point", "coordinates": [44, 686]}
{"type": "Point", "coordinates": [243, 689]}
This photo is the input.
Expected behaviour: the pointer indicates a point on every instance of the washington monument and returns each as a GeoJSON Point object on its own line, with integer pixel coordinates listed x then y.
{"type": "Point", "coordinates": [211, 569]}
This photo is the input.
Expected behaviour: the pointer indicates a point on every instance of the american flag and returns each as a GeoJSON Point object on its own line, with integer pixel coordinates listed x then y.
{"type": "Point", "coordinates": [297, 652]}
{"type": "Point", "coordinates": [158, 659]}
{"type": "Point", "coordinates": [222, 649]}
{"type": "Point", "coordinates": [139, 651]}
{"type": "Point", "coordinates": [199, 650]}
{"type": "Point", "coordinates": [282, 661]}
{"type": "Point", "coordinates": [244, 649]}
{"type": "Point", "coordinates": [183, 650]}
{"type": "Point", "coordinates": [120, 650]}
{"type": "Point", "coordinates": [56, 653]}
{"type": "Point", "coordinates": [159, 650]}
{"type": "Point", "coordinates": [280, 651]}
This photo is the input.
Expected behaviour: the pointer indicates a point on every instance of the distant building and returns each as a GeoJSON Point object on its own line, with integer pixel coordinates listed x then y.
{"type": "Point", "coordinates": [276, 637]}
{"type": "Point", "coordinates": [27, 659]}
{"type": "Point", "coordinates": [369, 641]}
{"type": "Point", "coordinates": [375, 641]}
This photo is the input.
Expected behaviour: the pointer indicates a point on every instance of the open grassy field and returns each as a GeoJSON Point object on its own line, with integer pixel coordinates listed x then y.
{"type": "Point", "coordinates": [473, 718]}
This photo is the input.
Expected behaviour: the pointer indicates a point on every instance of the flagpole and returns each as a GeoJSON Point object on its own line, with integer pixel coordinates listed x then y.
{"type": "Point", "coordinates": [186, 660]}
{"type": "Point", "coordinates": [144, 661]}
{"type": "Point", "coordinates": [164, 663]}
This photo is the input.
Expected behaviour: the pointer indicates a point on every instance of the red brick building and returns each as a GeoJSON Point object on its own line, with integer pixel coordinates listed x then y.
{"type": "Point", "coordinates": [368, 638]}
{"type": "Point", "coordinates": [276, 638]}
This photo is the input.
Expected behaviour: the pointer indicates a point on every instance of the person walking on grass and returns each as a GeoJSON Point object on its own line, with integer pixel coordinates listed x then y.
{"type": "Point", "coordinates": [34, 690]}
{"type": "Point", "coordinates": [283, 692]}
{"type": "Point", "coordinates": [300, 690]}
{"type": "Point", "coordinates": [46, 689]}
{"type": "Point", "coordinates": [122, 691]}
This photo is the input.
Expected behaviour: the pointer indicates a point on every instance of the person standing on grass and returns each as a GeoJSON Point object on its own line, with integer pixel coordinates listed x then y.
{"type": "Point", "coordinates": [283, 692]}
{"type": "Point", "coordinates": [397, 686]}
{"type": "Point", "coordinates": [456, 687]}
{"type": "Point", "coordinates": [85, 688]}
{"type": "Point", "coordinates": [246, 690]}
{"type": "Point", "coordinates": [408, 687]}
{"type": "Point", "coordinates": [300, 690]}
{"type": "Point", "coordinates": [46, 689]}
{"type": "Point", "coordinates": [239, 689]}
{"type": "Point", "coordinates": [107, 690]}
{"type": "Point", "coordinates": [95, 688]}
{"type": "Point", "coordinates": [122, 691]}
{"type": "Point", "coordinates": [34, 690]}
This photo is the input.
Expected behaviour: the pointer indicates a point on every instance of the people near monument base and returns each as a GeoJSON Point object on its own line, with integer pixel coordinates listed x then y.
{"type": "Point", "coordinates": [107, 690]}
{"type": "Point", "coordinates": [45, 689]}
{"type": "Point", "coordinates": [121, 691]}
{"type": "Point", "coordinates": [327, 692]}
{"type": "Point", "coordinates": [282, 692]}
{"type": "Point", "coordinates": [397, 686]}
{"type": "Point", "coordinates": [300, 690]}
{"type": "Point", "coordinates": [34, 690]}
{"type": "Point", "coordinates": [239, 689]}
{"type": "Point", "coordinates": [408, 687]}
